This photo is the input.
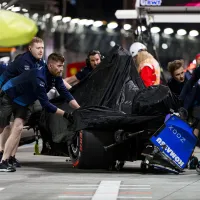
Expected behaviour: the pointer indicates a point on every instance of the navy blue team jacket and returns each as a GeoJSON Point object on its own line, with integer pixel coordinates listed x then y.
{"type": "Point", "coordinates": [35, 84]}
{"type": "Point", "coordinates": [83, 73]}
{"type": "Point", "coordinates": [23, 63]}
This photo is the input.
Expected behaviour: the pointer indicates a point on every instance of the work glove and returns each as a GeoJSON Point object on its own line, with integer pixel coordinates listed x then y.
{"type": "Point", "coordinates": [69, 117]}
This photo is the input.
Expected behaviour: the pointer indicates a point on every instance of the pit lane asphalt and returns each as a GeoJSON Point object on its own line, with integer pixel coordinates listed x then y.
{"type": "Point", "coordinates": [51, 178]}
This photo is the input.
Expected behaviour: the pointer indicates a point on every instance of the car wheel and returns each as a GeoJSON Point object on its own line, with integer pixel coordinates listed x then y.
{"type": "Point", "coordinates": [87, 151]}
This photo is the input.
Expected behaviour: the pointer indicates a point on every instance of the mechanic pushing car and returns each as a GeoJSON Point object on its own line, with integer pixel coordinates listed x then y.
{"type": "Point", "coordinates": [19, 93]}
{"type": "Point", "coordinates": [147, 66]}
{"type": "Point", "coordinates": [93, 59]}
{"type": "Point", "coordinates": [23, 62]}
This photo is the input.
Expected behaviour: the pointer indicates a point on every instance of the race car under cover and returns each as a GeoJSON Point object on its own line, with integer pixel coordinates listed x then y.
{"type": "Point", "coordinates": [117, 117]}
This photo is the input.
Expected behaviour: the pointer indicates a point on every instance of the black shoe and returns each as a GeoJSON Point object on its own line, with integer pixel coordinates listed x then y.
{"type": "Point", "coordinates": [193, 162]}
{"type": "Point", "coordinates": [198, 168]}
{"type": "Point", "coordinates": [14, 162]}
{"type": "Point", "coordinates": [6, 167]}
{"type": "Point", "coordinates": [1, 155]}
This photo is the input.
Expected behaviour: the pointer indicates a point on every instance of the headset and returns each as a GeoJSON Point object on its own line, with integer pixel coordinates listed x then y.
{"type": "Point", "coordinates": [92, 53]}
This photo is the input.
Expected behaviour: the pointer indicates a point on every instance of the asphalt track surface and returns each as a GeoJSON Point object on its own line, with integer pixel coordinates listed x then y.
{"type": "Point", "coordinates": [52, 178]}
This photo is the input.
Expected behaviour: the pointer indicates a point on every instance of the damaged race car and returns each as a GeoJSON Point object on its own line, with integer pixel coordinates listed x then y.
{"type": "Point", "coordinates": [118, 119]}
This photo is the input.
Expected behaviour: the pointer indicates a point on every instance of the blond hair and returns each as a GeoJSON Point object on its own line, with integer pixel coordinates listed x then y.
{"type": "Point", "coordinates": [144, 56]}
{"type": "Point", "coordinates": [146, 59]}
{"type": "Point", "coordinates": [36, 40]}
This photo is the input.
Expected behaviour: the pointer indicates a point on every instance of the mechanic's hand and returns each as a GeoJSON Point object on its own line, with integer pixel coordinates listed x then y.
{"type": "Point", "coordinates": [183, 113]}
{"type": "Point", "coordinates": [69, 117]}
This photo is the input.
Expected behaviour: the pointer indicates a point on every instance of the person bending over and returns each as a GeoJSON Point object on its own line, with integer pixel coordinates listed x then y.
{"type": "Point", "coordinates": [19, 93]}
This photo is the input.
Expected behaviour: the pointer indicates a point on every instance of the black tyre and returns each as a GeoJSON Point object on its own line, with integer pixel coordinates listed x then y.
{"type": "Point", "coordinates": [87, 150]}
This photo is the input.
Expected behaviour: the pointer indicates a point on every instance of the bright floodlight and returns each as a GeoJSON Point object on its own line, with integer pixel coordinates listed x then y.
{"type": "Point", "coordinates": [143, 29]}
{"type": "Point", "coordinates": [16, 9]}
{"type": "Point", "coordinates": [48, 15]}
{"type": "Point", "coordinates": [181, 32]}
{"type": "Point", "coordinates": [24, 10]}
{"type": "Point", "coordinates": [127, 27]}
{"type": "Point", "coordinates": [89, 22]}
{"type": "Point", "coordinates": [35, 16]}
{"type": "Point", "coordinates": [83, 22]}
{"type": "Point", "coordinates": [97, 23]}
{"type": "Point", "coordinates": [9, 8]}
{"type": "Point", "coordinates": [57, 18]}
{"type": "Point", "coordinates": [126, 14]}
{"type": "Point", "coordinates": [168, 31]}
{"type": "Point", "coordinates": [194, 33]}
{"type": "Point", "coordinates": [66, 19]}
{"type": "Point", "coordinates": [112, 25]}
{"type": "Point", "coordinates": [75, 20]}
{"type": "Point", "coordinates": [4, 3]}
{"type": "Point", "coordinates": [164, 46]}
{"type": "Point", "coordinates": [112, 43]}
{"type": "Point", "coordinates": [155, 29]}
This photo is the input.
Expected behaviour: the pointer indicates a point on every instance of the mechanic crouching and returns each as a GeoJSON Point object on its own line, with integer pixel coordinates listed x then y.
{"type": "Point", "coordinates": [18, 95]}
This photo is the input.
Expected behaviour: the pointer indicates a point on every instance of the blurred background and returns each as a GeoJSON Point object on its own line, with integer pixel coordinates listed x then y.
{"type": "Point", "coordinates": [74, 27]}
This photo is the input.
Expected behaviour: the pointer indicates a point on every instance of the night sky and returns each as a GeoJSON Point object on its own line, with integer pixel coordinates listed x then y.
{"type": "Point", "coordinates": [106, 9]}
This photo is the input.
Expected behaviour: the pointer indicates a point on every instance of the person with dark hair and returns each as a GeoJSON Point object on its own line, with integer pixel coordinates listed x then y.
{"type": "Point", "coordinates": [19, 93]}
{"type": "Point", "coordinates": [93, 59]}
{"type": "Point", "coordinates": [178, 79]}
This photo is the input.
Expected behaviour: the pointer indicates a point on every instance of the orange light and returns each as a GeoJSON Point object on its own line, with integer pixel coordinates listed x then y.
{"type": "Point", "coordinates": [73, 71]}
{"type": "Point", "coordinates": [7, 49]}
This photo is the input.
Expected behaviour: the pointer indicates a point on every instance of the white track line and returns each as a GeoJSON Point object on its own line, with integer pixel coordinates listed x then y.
{"type": "Point", "coordinates": [95, 185]}
{"type": "Point", "coordinates": [138, 197]}
{"type": "Point", "coordinates": [71, 197]}
{"type": "Point", "coordinates": [107, 190]}
{"type": "Point", "coordinates": [85, 188]}
{"type": "Point", "coordinates": [86, 197]}
{"type": "Point", "coordinates": [93, 188]}
{"type": "Point", "coordinates": [2, 189]}
{"type": "Point", "coordinates": [135, 188]}
{"type": "Point", "coordinates": [85, 185]}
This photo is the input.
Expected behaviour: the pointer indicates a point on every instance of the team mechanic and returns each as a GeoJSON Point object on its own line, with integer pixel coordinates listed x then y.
{"type": "Point", "coordinates": [26, 61]}
{"type": "Point", "coordinates": [22, 91]}
{"type": "Point", "coordinates": [93, 59]}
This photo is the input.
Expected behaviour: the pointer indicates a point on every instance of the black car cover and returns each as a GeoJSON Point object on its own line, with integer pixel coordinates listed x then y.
{"type": "Point", "coordinates": [155, 100]}
{"type": "Point", "coordinates": [104, 118]}
{"type": "Point", "coordinates": [114, 84]}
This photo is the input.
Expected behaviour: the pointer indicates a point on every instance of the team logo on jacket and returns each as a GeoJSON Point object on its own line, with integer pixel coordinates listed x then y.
{"type": "Point", "coordinates": [42, 84]}
{"type": "Point", "coordinates": [26, 67]}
